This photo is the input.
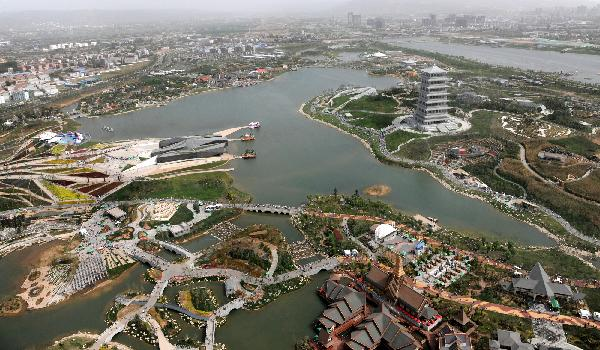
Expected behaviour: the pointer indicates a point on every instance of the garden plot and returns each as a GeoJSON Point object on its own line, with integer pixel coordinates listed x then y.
{"type": "Point", "coordinates": [532, 128]}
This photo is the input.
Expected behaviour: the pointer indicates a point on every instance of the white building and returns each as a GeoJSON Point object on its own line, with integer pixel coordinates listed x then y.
{"type": "Point", "coordinates": [382, 231]}
{"type": "Point", "coordinates": [19, 96]}
{"type": "Point", "coordinates": [432, 107]}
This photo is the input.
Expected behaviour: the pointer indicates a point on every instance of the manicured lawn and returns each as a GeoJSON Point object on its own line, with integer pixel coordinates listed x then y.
{"type": "Point", "coordinates": [207, 186]}
{"type": "Point", "coordinates": [417, 150]}
{"type": "Point", "coordinates": [340, 101]}
{"type": "Point", "coordinates": [374, 121]}
{"type": "Point", "coordinates": [381, 104]}
{"type": "Point", "coordinates": [485, 123]}
{"type": "Point", "coordinates": [58, 149]}
{"type": "Point", "coordinates": [393, 140]}
{"type": "Point", "coordinates": [183, 214]}
{"type": "Point", "coordinates": [484, 171]}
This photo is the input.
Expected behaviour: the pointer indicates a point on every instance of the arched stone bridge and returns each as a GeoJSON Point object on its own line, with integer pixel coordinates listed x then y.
{"type": "Point", "coordinates": [266, 208]}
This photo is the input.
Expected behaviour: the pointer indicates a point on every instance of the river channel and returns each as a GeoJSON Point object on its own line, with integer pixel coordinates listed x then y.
{"type": "Point", "coordinates": [585, 68]}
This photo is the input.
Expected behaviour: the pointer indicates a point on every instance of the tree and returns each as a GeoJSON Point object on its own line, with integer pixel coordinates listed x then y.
{"type": "Point", "coordinates": [335, 191]}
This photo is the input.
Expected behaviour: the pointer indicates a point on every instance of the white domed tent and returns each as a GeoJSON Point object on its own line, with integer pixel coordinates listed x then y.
{"type": "Point", "coordinates": [384, 230]}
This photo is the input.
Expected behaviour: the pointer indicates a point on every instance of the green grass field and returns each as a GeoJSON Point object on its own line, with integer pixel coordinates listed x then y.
{"type": "Point", "coordinates": [374, 121]}
{"type": "Point", "coordinates": [183, 214]}
{"type": "Point", "coordinates": [588, 188]}
{"type": "Point", "coordinates": [381, 104]}
{"type": "Point", "coordinates": [207, 186]}
{"type": "Point", "coordinates": [417, 150]}
{"type": "Point", "coordinates": [192, 168]}
{"type": "Point", "coordinates": [578, 144]}
{"type": "Point", "coordinates": [393, 140]}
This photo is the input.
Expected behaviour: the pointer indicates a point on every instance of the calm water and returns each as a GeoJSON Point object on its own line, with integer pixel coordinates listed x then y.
{"type": "Point", "coordinates": [297, 156]}
{"type": "Point", "coordinates": [200, 243]}
{"type": "Point", "coordinates": [282, 222]}
{"type": "Point", "coordinates": [585, 67]}
{"type": "Point", "coordinates": [278, 325]}
{"type": "Point", "coordinates": [37, 329]}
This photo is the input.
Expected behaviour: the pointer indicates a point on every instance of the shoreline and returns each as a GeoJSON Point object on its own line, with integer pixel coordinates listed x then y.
{"type": "Point", "coordinates": [91, 336]}
{"type": "Point", "coordinates": [441, 181]}
{"type": "Point", "coordinates": [106, 285]}
{"type": "Point", "coordinates": [368, 147]}
{"type": "Point", "coordinates": [174, 99]}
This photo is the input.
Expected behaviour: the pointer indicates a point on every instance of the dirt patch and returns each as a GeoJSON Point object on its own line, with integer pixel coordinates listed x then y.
{"type": "Point", "coordinates": [56, 250]}
{"type": "Point", "coordinates": [128, 309]}
{"type": "Point", "coordinates": [377, 190]}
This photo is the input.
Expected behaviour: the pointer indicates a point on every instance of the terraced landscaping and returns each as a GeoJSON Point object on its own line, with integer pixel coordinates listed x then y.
{"type": "Point", "coordinates": [65, 194]}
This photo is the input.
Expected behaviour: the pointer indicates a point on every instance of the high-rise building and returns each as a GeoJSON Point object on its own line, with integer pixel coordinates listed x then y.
{"type": "Point", "coordinates": [433, 97]}
{"type": "Point", "coordinates": [354, 20]}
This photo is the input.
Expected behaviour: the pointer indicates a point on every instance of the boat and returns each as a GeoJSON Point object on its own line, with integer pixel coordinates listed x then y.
{"type": "Point", "coordinates": [249, 154]}
{"type": "Point", "coordinates": [107, 128]}
{"type": "Point", "coordinates": [247, 137]}
{"type": "Point", "coordinates": [254, 125]}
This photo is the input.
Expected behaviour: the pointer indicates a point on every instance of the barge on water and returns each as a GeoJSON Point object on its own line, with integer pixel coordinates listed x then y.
{"type": "Point", "coordinates": [249, 154]}
{"type": "Point", "coordinates": [247, 137]}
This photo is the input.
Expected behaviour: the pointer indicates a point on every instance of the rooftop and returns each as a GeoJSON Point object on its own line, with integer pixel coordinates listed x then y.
{"type": "Point", "coordinates": [433, 70]}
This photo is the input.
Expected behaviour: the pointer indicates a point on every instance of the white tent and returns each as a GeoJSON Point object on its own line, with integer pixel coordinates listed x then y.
{"type": "Point", "coordinates": [46, 135]}
{"type": "Point", "coordinates": [384, 230]}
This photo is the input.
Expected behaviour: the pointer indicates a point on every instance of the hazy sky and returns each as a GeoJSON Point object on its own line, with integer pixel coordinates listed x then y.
{"type": "Point", "coordinates": [273, 6]}
{"type": "Point", "coordinates": [205, 5]}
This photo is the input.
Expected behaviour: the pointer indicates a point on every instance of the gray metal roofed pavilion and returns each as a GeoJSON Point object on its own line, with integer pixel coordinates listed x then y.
{"type": "Point", "coordinates": [455, 341]}
{"type": "Point", "coordinates": [193, 147]}
{"type": "Point", "coordinates": [509, 340]}
{"type": "Point", "coordinates": [538, 284]}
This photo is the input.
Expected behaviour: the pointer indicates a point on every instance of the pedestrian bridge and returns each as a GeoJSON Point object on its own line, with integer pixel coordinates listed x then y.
{"type": "Point", "coordinates": [266, 208]}
{"type": "Point", "coordinates": [148, 258]}
{"type": "Point", "coordinates": [175, 249]}
{"type": "Point", "coordinates": [172, 307]}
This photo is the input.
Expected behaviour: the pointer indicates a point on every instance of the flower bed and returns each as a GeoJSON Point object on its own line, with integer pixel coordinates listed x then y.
{"type": "Point", "coordinates": [64, 193]}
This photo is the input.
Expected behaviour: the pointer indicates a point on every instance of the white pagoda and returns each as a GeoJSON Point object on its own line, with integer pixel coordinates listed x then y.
{"type": "Point", "coordinates": [433, 97]}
